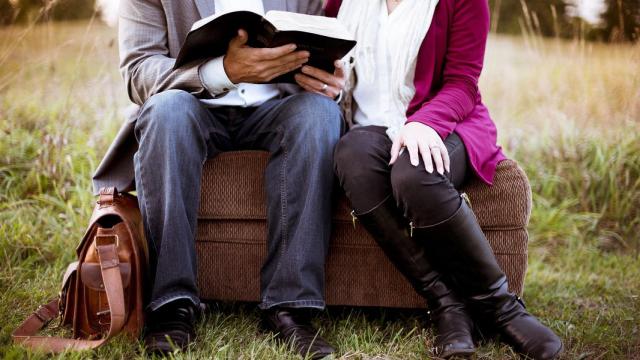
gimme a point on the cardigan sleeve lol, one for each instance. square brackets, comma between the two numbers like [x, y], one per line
[462, 67]
[332, 7]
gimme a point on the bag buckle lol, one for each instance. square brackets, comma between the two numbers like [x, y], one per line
[107, 196]
[101, 314]
[44, 315]
[103, 239]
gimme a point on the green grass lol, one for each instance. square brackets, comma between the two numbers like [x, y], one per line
[571, 122]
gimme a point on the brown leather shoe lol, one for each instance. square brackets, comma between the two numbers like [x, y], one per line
[294, 326]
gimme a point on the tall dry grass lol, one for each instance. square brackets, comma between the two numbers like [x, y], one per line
[570, 112]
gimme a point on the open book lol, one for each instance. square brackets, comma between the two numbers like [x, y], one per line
[325, 38]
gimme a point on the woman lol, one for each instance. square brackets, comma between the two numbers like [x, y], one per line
[420, 130]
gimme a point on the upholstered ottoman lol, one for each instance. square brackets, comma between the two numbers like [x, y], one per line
[231, 237]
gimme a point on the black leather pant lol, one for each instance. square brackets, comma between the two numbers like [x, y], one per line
[362, 165]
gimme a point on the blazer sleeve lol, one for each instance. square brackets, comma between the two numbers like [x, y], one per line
[145, 64]
[462, 67]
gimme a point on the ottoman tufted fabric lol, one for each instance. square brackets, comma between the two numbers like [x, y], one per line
[231, 236]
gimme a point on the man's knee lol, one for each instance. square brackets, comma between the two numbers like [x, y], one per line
[169, 110]
[314, 116]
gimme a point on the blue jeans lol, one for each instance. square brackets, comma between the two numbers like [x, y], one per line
[177, 134]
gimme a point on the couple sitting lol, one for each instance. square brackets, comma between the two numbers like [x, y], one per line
[418, 130]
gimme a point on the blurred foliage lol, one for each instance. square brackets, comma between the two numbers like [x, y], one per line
[43, 10]
[620, 21]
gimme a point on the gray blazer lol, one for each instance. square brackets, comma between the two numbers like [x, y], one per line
[150, 35]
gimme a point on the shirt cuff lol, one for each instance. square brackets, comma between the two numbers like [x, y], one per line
[339, 97]
[214, 78]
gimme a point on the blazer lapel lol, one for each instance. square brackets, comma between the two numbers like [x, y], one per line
[205, 7]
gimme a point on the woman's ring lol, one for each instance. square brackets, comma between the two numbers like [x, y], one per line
[324, 87]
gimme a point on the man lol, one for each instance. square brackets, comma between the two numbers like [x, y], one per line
[195, 112]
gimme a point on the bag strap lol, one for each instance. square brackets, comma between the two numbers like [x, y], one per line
[110, 270]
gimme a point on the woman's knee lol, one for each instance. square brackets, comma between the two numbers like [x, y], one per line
[361, 165]
[425, 197]
[353, 153]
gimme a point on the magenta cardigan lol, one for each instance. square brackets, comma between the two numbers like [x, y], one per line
[446, 80]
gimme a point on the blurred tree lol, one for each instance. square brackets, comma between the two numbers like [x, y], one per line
[621, 20]
[6, 12]
[28, 10]
[543, 17]
[41, 10]
[72, 9]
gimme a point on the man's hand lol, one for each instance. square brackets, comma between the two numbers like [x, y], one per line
[321, 82]
[420, 139]
[244, 64]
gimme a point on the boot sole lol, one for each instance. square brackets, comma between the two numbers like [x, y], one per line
[465, 353]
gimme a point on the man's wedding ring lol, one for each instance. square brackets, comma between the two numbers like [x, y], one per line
[324, 87]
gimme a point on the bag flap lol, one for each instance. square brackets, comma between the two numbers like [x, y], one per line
[91, 276]
[68, 274]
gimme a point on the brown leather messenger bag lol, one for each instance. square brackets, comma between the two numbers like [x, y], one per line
[103, 292]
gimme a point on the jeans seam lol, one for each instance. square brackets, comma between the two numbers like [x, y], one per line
[146, 204]
[283, 206]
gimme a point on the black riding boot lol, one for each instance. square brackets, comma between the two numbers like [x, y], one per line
[389, 228]
[460, 242]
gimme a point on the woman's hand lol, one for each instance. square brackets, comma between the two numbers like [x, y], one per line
[421, 140]
[321, 82]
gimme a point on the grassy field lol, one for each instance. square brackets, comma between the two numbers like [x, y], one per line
[569, 112]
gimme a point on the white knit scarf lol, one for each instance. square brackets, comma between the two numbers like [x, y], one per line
[359, 16]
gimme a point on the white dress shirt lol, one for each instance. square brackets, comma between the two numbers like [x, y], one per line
[215, 79]
[386, 57]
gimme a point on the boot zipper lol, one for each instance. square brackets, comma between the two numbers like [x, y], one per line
[465, 197]
[411, 227]
[353, 218]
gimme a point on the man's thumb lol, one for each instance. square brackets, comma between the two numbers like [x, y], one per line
[240, 39]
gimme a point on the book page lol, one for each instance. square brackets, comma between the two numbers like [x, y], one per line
[321, 25]
[200, 23]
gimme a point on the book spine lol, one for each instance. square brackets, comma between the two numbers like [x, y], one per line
[266, 33]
